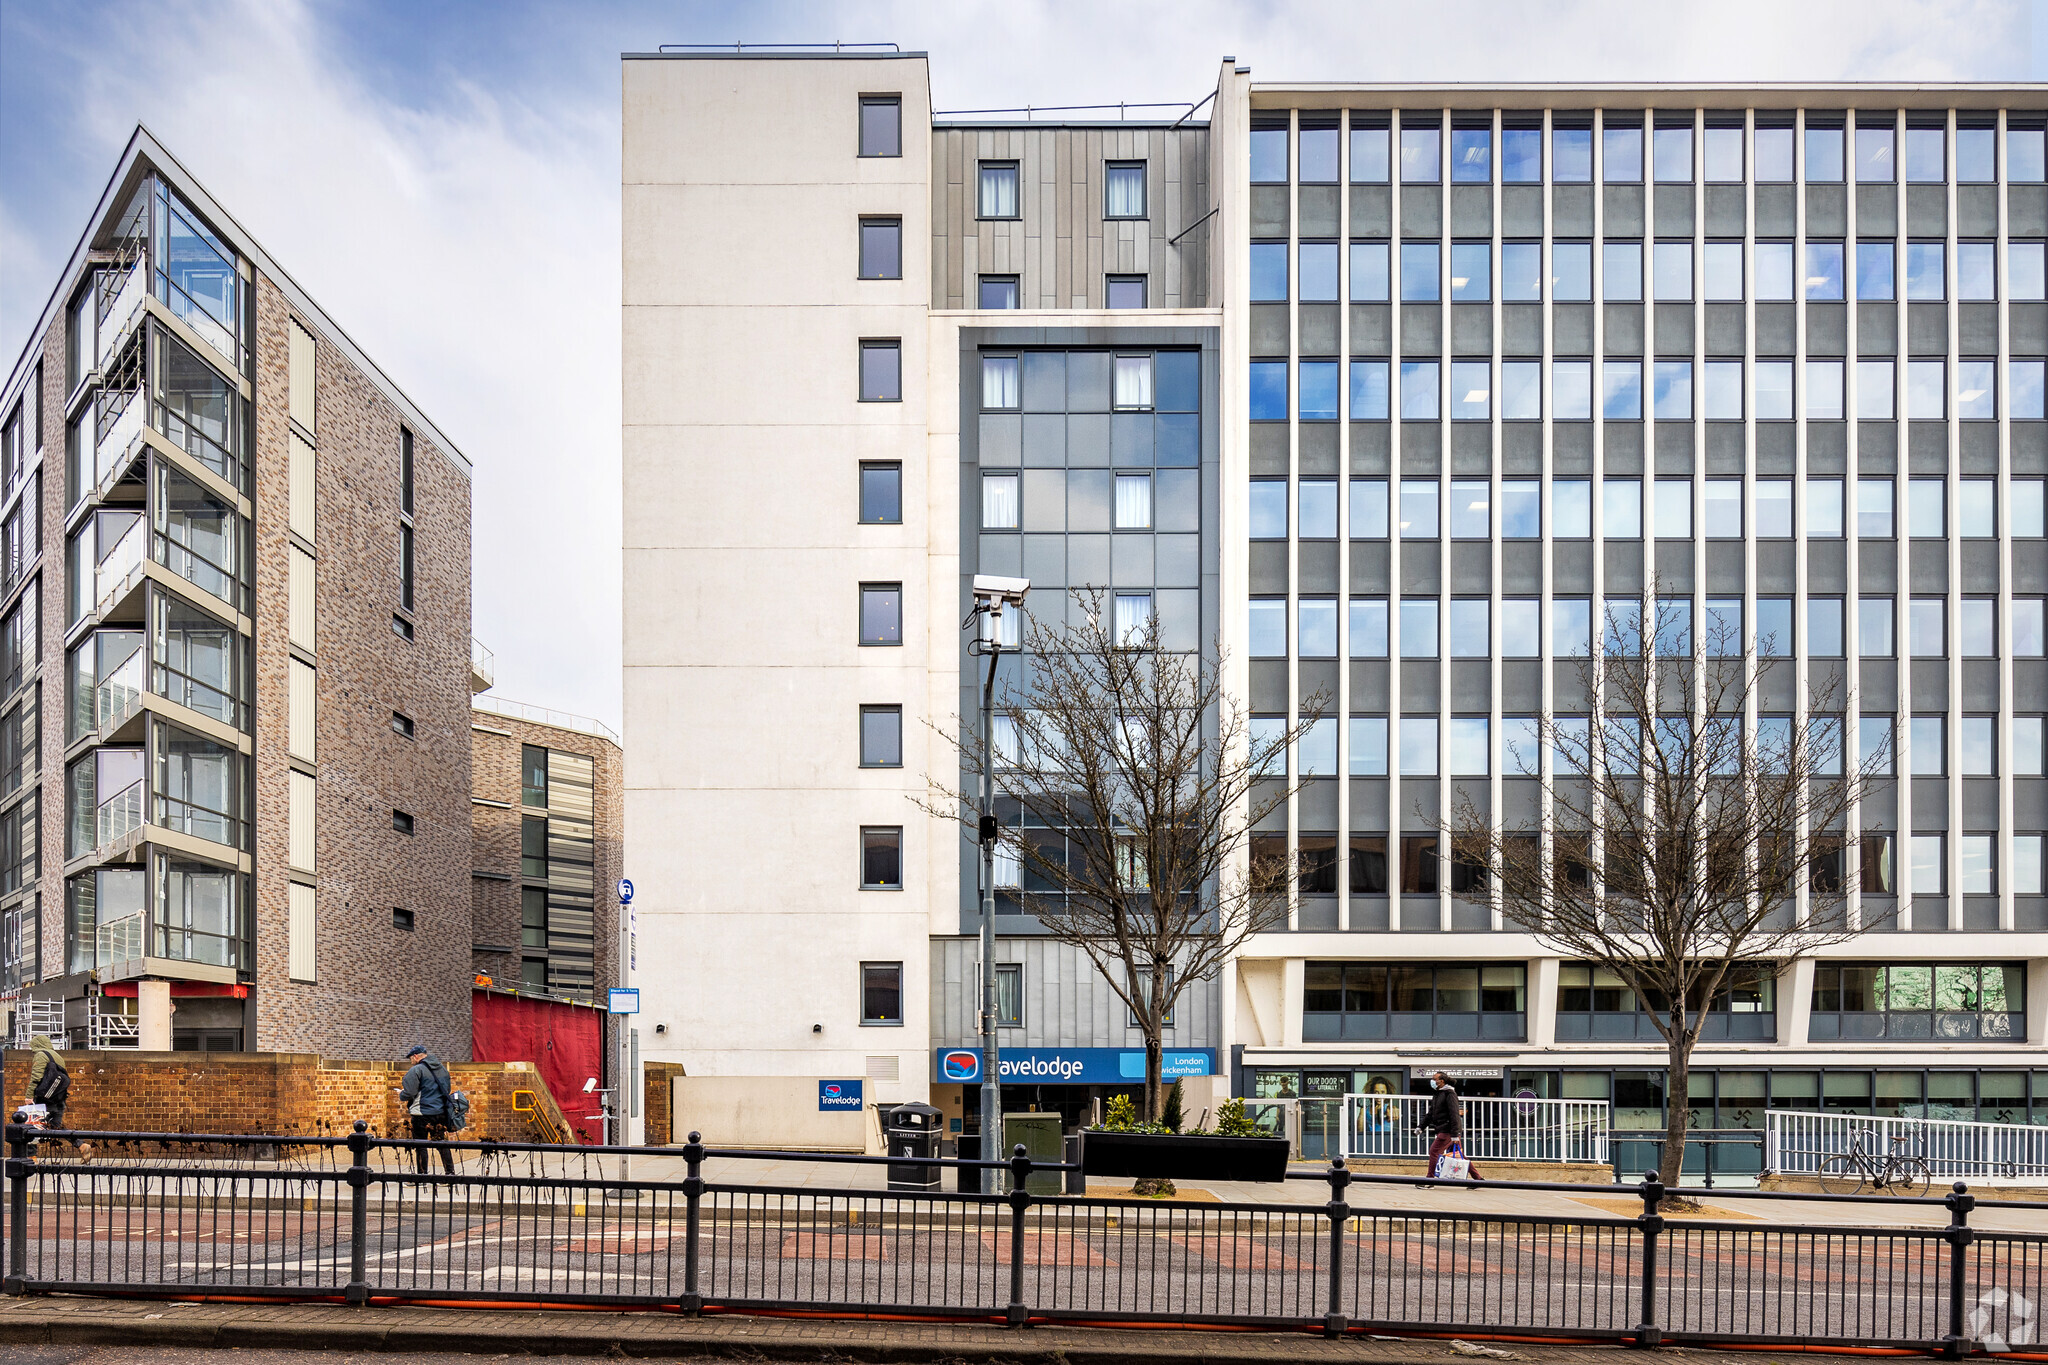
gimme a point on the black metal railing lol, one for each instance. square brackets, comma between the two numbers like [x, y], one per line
[350, 1218]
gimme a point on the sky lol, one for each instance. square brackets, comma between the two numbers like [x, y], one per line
[444, 178]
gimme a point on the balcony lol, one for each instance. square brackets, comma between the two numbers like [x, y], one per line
[118, 318]
[483, 667]
[119, 943]
[119, 816]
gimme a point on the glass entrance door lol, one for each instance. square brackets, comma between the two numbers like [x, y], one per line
[1322, 1123]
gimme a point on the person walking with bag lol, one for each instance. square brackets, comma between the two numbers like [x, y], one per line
[1445, 1121]
[426, 1093]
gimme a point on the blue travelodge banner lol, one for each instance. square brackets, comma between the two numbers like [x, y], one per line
[1071, 1065]
[834, 1096]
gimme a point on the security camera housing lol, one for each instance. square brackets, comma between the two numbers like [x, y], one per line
[1001, 590]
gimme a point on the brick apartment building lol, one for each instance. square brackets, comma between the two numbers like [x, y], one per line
[235, 683]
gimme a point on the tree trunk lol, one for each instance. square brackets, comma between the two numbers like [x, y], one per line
[1153, 1060]
[1678, 1104]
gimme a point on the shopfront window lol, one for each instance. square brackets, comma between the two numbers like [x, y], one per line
[1918, 1002]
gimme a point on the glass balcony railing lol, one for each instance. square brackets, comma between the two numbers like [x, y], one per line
[119, 564]
[119, 695]
[120, 815]
[121, 940]
[117, 438]
[118, 318]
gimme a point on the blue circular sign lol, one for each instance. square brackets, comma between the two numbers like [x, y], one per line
[625, 891]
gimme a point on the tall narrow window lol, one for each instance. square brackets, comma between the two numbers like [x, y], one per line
[405, 566]
[881, 736]
[405, 470]
[881, 492]
[1124, 189]
[533, 776]
[996, 191]
[881, 248]
[999, 502]
[881, 371]
[881, 125]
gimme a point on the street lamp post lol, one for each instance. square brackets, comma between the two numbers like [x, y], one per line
[992, 594]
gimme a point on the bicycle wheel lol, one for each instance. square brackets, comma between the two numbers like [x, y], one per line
[1908, 1175]
[1842, 1175]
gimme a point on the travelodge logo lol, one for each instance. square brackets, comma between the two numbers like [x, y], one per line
[834, 1089]
[961, 1064]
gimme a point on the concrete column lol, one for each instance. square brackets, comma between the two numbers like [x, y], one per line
[1541, 1001]
[1291, 974]
[2037, 1000]
[1795, 1001]
[153, 1006]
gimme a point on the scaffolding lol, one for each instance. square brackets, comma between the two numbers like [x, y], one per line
[110, 1025]
[38, 1016]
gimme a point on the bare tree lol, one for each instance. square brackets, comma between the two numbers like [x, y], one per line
[1688, 841]
[1138, 779]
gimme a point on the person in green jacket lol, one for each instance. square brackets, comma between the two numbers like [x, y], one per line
[49, 1080]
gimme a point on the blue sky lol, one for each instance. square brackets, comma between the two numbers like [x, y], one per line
[444, 178]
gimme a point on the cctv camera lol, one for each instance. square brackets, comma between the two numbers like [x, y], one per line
[590, 1085]
[817, 1028]
[1000, 591]
[661, 1028]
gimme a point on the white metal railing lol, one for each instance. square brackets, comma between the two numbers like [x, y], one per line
[116, 321]
[541, 715]
[38, 1016]
[1497, 1129]
[111, 1028]
[120, 815]
[1799, 1142]
[120, 940]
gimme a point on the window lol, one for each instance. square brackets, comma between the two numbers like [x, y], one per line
[1318, 509]
[2025, 385]
[881, 858]
[1369, 154]
[1369, 281]
[999, 502]
[1471, 272]
[881, 736]
[1621, 390]
[1269, 151]
[1377, 1000]
[881, 493]
[1521, 509]
[1471, 156]
[401, 724]
[1621, 152]
[405, 575]
[1925, 507]
[1368, 627]
[1419, 273]
[1521, 272]
[1368, 509]
[1571, 627]
[2026, 507]
[1671, 391]
[1124, 189]
[1774, 272]
[1874, 509]
[1824, 627]
[881, 125]
[1874, 627]
[1131, 386]
[1671, 154]
[1974, 746]
[1824, 152]
[1571, 272]
[1471, 517]
[1521, 390]
[1722, 149]
[997, 190]
[1269, 272]
[1471, 390]
[401, 919]
[1722, 272]
[1369, 398]
[1471, 754]
[1823, 390]
[881, 372]
[1269, 391]
[1318, 272]
[881, 248]
[1621, 509]
[1925, 876]
[1571, 154]
[533, 776]
[1673, 508]
[1267, 634]
[1318, 153]
[2026, 746]
[1594, 1003]
[1771, 153]
[1773, 392]
[1927, 736]
[1369, 750]
[881, 994]
[1926, 627]
[1671, 272]
[1316, 619]
[1520, 634]
[1926, 280]
[1418, 746]
[1124, 291]
[401, 822]
[1134, 502]
[997, 292]
[1621, 270]
[1521, 748]
[1418, 390]
[1269, 509]
[401, 627]
[1521, 155]
[1318, 391]
[1874, 275]
[2025, 873]
[1919, 1001]
[1421, 154]
[1009, 995]
[881, 613]
[1418, 509]
[1976, 391]
[2027, 636]
[1976, 271]
[1470, 636]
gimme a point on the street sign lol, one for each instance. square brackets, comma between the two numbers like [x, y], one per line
[838, 1096]
[625, 891]
[625, 1000]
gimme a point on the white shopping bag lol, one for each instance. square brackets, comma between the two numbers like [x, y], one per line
[1452, 1165]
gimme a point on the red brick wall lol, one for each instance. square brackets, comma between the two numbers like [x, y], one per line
[254, 1092]
[380, 989]
[656, 1076]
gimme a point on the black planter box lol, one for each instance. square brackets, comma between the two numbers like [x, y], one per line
[1142, 1156]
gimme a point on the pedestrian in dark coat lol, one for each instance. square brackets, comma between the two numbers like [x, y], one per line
[1445, 1121]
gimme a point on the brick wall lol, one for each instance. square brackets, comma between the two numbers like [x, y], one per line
[658, 1099]
[494, 898]
[256, 1092]
[380, 989]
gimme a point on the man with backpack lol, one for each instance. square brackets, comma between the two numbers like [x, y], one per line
[49, 1081]
[1445, 1121]
[430, 1101]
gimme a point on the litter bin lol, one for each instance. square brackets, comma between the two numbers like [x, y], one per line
[912, 1130]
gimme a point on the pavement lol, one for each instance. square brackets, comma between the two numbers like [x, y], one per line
[74, 1330]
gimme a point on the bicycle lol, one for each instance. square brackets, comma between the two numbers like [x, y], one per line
[1898, 1171]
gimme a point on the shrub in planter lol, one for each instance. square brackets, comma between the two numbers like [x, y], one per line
[1122, 1146]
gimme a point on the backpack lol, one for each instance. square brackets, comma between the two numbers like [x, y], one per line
[54, 1089]
[458, 1110]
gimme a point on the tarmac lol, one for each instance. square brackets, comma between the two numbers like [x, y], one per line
[49, 1329]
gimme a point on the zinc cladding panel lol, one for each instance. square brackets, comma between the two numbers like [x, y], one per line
[304, 706]
[304, 619]
[300, 841]
[301, 479]
[300, 375]
[302, 933]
